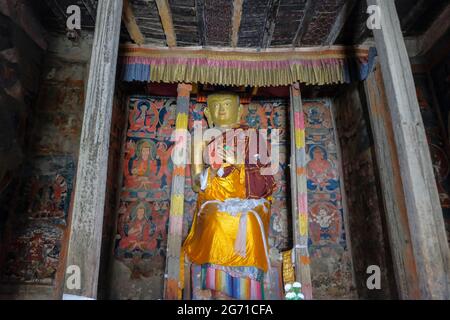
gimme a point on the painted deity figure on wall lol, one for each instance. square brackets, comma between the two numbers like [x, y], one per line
[228, 241]
[163, 154]
[138, 232]
[167, 122]
[140, 163]
[321, 174]
[325, 223]
[144, 118]
[49, 198]
[253, 118]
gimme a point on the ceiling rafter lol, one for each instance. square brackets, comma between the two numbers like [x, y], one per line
[129, 21]
[167, 22]
[236, 22]
[340, 21]
[436, 31]
[308, 14]
[271, 19]
[408, 20]
[200, 8]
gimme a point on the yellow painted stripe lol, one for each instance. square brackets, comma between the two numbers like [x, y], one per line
[182, 121]
[299, 138]
[177, 205]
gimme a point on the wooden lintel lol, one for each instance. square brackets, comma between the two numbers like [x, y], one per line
[167, 22]
[129, 21]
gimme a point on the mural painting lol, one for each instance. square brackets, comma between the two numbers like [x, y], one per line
[33, 256]
[330, 258]
[141, 239]
[39, 205]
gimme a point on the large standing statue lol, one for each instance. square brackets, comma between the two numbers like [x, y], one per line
[228, 241]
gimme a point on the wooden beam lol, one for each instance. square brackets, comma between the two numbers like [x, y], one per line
[271, 20]
[387, 157]
[408, 21]
[308, 14]
[172, 285]
[129, 21]
[425, 218]
[236, 22]
[167, 22]
[22, 14]
[83, 255]
[437, 30]
[299, 198]
[340, 21]
[200, 8]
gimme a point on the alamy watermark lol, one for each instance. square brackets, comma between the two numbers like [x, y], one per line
[74, 18]
[375, 19]
[233, 146]
[73, 277]
[374, 280]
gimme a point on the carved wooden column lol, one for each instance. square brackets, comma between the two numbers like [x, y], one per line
[424, 213]
[299, 192]
[89, 197]
[172, 290]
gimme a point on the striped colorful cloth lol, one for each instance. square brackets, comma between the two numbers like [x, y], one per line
[240, 288]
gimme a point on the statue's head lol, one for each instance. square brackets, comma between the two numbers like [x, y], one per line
[224, 110]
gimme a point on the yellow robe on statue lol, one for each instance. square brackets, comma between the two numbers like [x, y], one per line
[213, 234]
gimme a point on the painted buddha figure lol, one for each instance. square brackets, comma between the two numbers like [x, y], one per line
[228, 238]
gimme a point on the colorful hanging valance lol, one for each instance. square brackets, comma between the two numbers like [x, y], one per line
[316, 66]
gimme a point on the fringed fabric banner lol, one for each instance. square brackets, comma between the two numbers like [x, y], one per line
[315, 66]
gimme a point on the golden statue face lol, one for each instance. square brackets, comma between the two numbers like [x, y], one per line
[223, 110]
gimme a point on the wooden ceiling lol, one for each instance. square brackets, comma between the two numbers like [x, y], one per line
[245, 23]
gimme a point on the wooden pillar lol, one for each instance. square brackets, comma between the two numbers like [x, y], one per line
[393, 194]
[299, 192]
[89, 199]
[425, 219]
[172, 290]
